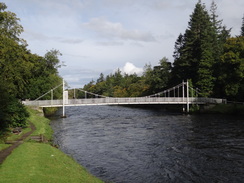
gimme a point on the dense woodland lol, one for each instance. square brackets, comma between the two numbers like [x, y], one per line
[205, 54]
[23, 75]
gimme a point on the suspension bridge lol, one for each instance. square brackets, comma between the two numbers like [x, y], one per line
[180, 94]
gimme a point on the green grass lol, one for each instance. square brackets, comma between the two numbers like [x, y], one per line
[4, 146]
[38, 162]
[41, 123]
[49, 111]
[13, 137]
[10, 137]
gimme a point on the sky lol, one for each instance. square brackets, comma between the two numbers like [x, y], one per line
[101, 36]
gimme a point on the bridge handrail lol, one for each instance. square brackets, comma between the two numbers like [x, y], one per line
[127, 100]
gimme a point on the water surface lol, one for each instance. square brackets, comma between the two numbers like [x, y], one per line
[136, 145]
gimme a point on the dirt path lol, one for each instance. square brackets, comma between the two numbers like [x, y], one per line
[4, 153]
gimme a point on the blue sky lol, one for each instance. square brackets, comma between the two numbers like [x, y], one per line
[100, 36]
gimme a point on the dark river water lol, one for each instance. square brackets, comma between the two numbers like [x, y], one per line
[142, 145]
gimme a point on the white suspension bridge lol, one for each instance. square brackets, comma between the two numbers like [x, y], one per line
[181, 94]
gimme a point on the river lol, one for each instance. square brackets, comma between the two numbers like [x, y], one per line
[150, 145]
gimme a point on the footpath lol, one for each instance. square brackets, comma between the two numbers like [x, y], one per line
[6, 152]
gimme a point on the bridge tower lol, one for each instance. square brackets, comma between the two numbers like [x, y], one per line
[64, 99]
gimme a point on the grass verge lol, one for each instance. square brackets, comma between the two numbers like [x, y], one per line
[38, 162]
[41, 162]
[41, 123]
[4, 146]
[13, 137]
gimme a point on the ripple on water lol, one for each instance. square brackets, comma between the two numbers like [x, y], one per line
[122, 144]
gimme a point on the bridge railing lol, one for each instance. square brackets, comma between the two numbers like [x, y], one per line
[130, 100]
[42, 102]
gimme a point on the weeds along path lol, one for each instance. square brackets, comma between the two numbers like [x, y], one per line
[5, 152]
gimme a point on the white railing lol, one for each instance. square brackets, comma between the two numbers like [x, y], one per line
[124, 101]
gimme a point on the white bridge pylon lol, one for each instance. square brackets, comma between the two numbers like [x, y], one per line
[180, 94]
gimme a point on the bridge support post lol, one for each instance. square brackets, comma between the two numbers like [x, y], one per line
[183, 94]
[187, 97]
[51, 97]
[63, 116]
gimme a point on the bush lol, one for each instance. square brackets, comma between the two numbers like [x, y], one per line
[17, 114]
[12, 113]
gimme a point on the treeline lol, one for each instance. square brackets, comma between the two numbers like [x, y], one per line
[119, 84]
[205, 54]
[23, 75]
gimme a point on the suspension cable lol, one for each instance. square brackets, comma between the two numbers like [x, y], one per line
[102, 96]
[48, 92]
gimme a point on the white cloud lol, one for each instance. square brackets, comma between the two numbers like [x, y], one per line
[130, 68]
[36, 36]
[109, 29]
[110, 43]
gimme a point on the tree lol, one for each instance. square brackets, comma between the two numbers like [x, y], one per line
[242, 27]
[9, 24]
[194, 55]
[221, 34]
[158, 77]
[101, 78]
[52, 61]
[232, 69]
[117, 78]
[12, 112]
[22, 74]
[180, 65]
[14, 68]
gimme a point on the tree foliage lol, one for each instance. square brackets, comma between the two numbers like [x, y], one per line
[194, 55]
[242, 27]
[232, 69]
[197, 52]
[23, 74]
[125, 85]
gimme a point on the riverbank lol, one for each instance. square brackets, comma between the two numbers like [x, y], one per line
[33, 161]
[229, 109]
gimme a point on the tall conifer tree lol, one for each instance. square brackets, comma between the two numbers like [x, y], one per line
[193, 54]
[220, 35]
[242, 27]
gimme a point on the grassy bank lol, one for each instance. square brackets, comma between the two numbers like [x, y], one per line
[49, 111]
[230, 109]
[41, 123]
[40, 162]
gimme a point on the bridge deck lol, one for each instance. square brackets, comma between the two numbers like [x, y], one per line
[123, 101]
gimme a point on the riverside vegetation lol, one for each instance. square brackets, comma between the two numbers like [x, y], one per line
[41, 162]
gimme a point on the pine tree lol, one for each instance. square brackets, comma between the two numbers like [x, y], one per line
[220, 35]
[217, 27]
[180, 65]
[194, 54]
[242, 27]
